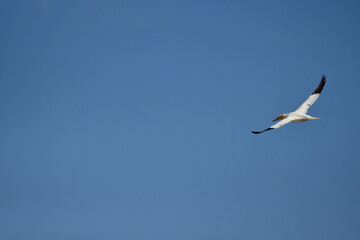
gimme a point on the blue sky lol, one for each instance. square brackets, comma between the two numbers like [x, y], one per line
[132, 120]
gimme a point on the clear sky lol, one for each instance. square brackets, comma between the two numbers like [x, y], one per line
[132, 120]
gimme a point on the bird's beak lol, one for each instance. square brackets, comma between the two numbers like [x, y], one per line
[275, 119]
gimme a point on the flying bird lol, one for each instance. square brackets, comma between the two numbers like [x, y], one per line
[300, 114]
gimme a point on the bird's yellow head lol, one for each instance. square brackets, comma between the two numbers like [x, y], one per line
[280, 117]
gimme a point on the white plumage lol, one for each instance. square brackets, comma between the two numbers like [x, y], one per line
[300, 114]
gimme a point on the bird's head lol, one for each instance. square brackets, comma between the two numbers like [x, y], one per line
[280, 117]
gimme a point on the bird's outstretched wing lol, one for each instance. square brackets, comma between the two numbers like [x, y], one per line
[313, 97]
[277, 125]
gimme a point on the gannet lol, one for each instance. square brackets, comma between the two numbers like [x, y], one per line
[300, 114]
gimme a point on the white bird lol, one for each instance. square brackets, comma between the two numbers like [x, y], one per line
[300, 114]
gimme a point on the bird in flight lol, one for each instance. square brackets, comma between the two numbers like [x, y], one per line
[300, 114]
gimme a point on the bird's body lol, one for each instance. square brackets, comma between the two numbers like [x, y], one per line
[300, 117]
[300, 114]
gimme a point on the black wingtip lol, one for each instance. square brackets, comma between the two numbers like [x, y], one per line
[321, 85]
[255, 132]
